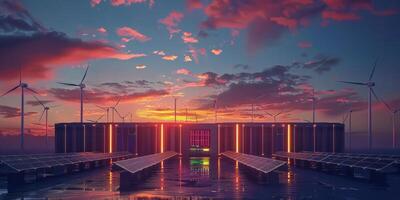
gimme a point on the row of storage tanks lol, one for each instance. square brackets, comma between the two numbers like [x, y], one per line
[261, 139]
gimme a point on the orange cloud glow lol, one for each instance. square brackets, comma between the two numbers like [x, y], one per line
[170, 57]
[216, 51]
[188, 38]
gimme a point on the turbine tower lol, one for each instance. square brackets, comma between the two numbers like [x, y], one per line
[114, 109]
[44, 112]
[107, 110]
[23, 86]
[348, 116]
[313, 106]
[393, 112]
[370, 84]
[81, 86]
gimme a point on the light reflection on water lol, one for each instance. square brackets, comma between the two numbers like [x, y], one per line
[216, 178]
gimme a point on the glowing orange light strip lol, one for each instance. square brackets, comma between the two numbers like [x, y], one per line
[237, 138]
[162, 138]
[289, 138]
[110, 137]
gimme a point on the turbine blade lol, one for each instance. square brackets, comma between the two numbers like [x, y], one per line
[351, 82]
[14, 88]
[118, 113]
[20, 75]
[38, 101]
[345, 117]
[98, 119]
[84, 76]
[33, 91]
[55, 106]
[69, 84]
[269, 114]
[381, 100]
[41, 116]
[103, 108]
[117, 102]
[373, 70]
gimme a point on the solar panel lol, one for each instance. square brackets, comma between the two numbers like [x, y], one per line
[262, 164]
[363, 161]
[134, 165]
[37, 161]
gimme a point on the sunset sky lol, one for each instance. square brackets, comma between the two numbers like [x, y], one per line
[146, 52]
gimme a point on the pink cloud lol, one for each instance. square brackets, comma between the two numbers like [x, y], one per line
[102, 30]
[94, 3]
[188, 38]
[183, 71]
[304, 44]
[40, 53]
[187, 58]
[216, 51]
[132, 34]
[340, 16]
[194, 4]
[130, 2]
[159, 52]
[202, 51]
[171, 22]
[170, 57]
[290, 23]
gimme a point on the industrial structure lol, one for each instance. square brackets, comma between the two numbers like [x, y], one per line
[194, 139]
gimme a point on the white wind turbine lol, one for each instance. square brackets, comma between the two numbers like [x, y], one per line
[97, 120]
[274, 115]
[23, 86]
[81, 86]
[114, 109]
[44, 112]
[107, 110]
[313, 99]
[370, 84]
[348, 116]
[393, 112]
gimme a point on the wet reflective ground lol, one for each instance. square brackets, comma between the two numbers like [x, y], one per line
[205, 178]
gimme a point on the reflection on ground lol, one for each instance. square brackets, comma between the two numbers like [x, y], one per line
[215, 178]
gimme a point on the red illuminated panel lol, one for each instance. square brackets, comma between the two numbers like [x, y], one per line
[200, 138]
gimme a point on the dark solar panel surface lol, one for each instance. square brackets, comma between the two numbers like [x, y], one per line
[38, 161]
[262, 164]
[364, 161]
[134, 165]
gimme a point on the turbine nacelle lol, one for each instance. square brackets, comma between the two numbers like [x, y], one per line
[82, 85]
[24, 85]
[370, 84]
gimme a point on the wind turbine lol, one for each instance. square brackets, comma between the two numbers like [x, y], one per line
[313, 106]
[23, 86]
[252, 106]
[348, 116]
[97, 120]
[393, 112]
[45, 111]
[276, 115]
[114, 109]
[106, 109]
[370, 84]
[81, 86]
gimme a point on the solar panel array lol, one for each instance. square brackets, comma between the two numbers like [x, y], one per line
[262, 164]
[137, 164]
[26, 162]
[363, 161]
